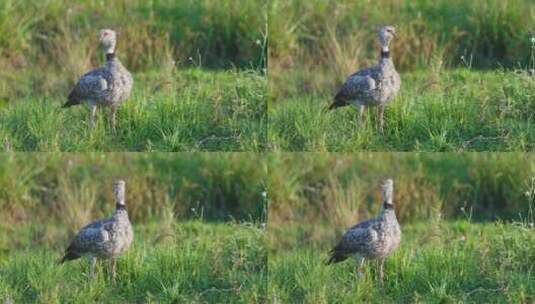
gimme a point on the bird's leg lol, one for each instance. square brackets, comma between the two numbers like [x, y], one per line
[113, 262]
[360, 115]
[113, 111]
[92, 263]
[381, 273]
[360, 267]
[381, 118]
[92, 113]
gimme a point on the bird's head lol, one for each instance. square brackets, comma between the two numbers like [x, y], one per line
[387, 191]
[118, 192]
[386, 35]
[107, 39]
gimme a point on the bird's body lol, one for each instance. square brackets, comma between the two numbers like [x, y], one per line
[107, 86]
[104, 239]
[372, 239]
[374, 86]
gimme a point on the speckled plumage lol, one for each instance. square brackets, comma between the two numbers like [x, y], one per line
[370, 87]
[107, 86]
[372, 239]
[374, 86]
[105, 239]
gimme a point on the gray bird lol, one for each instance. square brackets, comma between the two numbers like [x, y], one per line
[104, 239]
[374, 86]
[106, 86]
[372, 239]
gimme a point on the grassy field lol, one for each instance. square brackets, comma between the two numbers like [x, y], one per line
[199, 74]
[467, 222]
[440, 110]
[199, 221]
[178, 110]
[440, 262]
[193, 262]
[463, 66]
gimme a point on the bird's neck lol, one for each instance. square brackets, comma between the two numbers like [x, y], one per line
[120, 207]
[110, 56]
[388, 211]
[120, 212]
[388, 206]
[385, 55]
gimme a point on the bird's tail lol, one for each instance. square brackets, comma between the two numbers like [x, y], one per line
[69, 255]
[335, 257]
[70, 103]
[338, 102]
[332, 106]
[72, 100]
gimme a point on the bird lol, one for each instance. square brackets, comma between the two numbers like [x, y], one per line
[105, 239]
[107, 86]
[374, 239]
[373, 86]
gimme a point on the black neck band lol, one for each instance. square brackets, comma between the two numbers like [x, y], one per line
[385, 54]
[120, 206]
[388, 206]
[110, 56]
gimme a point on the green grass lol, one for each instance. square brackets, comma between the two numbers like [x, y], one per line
[457, 262]
[191, 262]
[460, 110]
[177, 110]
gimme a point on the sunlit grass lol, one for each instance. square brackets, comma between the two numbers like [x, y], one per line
[457, 110]
[190, 262]
[190, 110]
[436, 263]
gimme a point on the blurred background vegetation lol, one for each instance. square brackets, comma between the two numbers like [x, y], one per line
[315, 44]
[314, 194]
[76, 188]
[43, 43]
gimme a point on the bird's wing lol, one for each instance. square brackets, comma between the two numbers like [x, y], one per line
[353, 241]
[89, 239]
[90, 86]
[356, 86]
